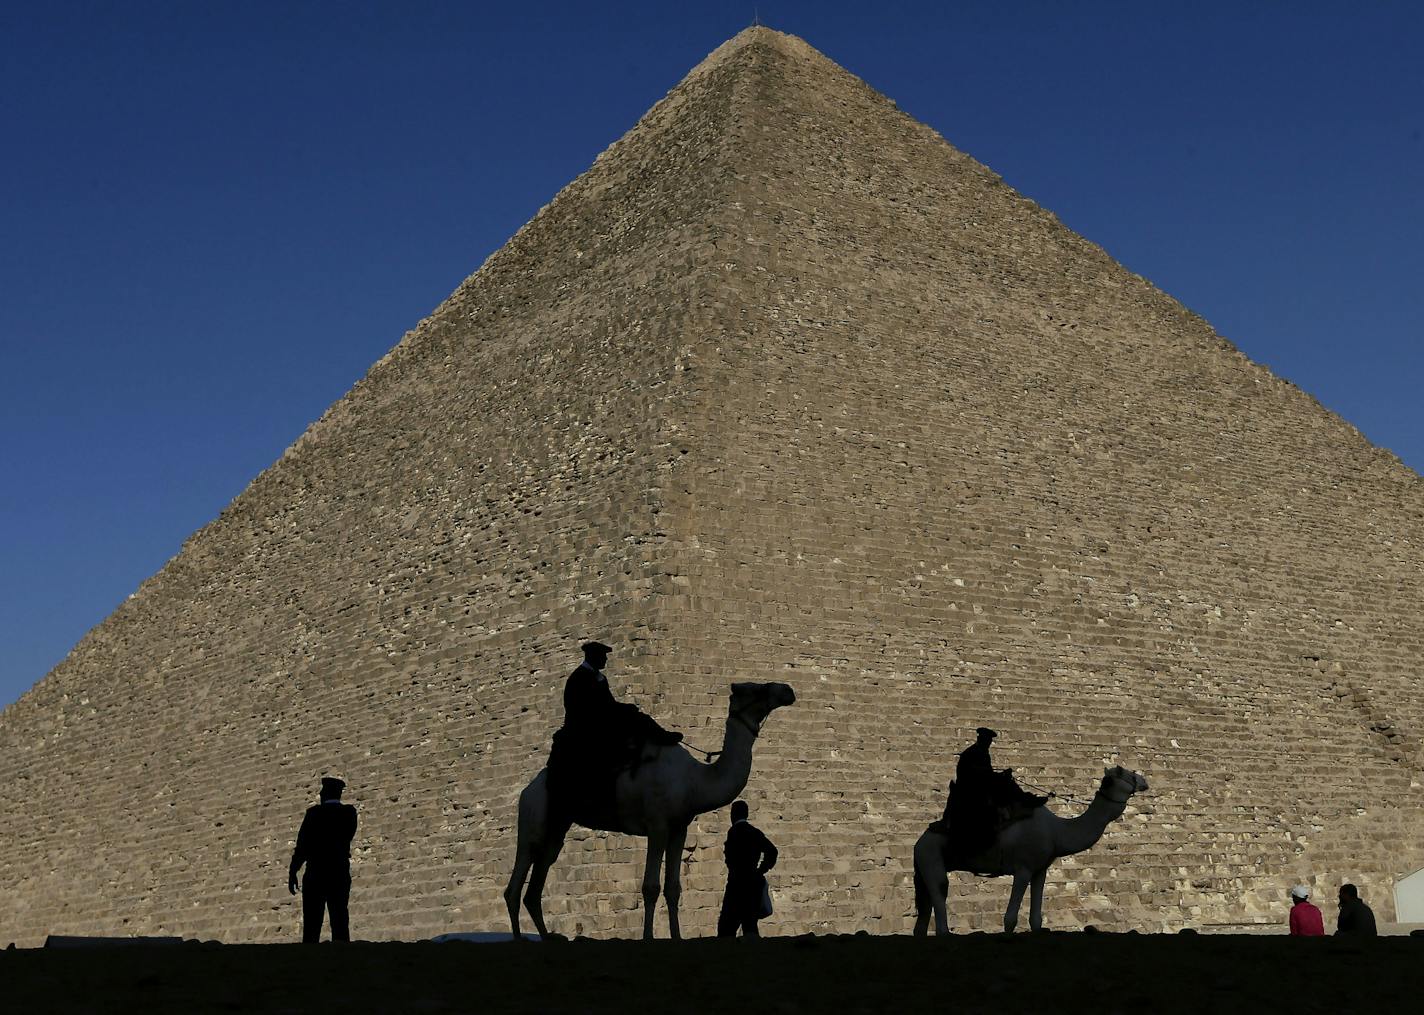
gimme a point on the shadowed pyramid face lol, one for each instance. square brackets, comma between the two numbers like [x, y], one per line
[861, 412]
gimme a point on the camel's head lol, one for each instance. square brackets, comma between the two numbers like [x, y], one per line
[753, 702]
[1121, 782]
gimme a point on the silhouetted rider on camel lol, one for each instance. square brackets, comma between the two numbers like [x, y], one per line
[981, 800]
[600, 737]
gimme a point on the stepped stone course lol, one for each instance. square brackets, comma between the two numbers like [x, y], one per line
[784, 387]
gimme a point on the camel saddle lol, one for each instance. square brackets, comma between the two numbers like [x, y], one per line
[971, 822]
[584, 766]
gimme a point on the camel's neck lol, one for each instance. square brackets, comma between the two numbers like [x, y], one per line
[1080, 833]
[724, 779]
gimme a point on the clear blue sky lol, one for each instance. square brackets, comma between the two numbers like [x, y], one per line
[215, 217]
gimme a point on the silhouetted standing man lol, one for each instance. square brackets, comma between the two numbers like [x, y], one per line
[324, 845]
[749, 855]
[1356, 919]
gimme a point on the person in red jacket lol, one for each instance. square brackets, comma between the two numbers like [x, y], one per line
[1305, 919]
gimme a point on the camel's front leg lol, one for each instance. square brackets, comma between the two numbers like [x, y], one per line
[1011, 915]
[672, 877]
[1035, 899]
[657, 846]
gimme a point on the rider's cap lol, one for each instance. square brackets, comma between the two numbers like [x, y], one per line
[330, 784]
[595, 646]
[984, 731]
[1300, 892]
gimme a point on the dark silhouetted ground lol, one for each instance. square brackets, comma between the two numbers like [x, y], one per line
[964, 973]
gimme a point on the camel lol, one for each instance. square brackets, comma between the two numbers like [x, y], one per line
[1023, 849]
[657, 799]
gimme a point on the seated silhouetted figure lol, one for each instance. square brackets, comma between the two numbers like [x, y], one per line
[981, 800]
[600, 737]
[749, 855]
[1305, 918]
[1356, 919]
[324, 845]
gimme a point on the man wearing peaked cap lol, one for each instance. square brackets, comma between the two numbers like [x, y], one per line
[586, 693]
[324, 846]
[981, 800]
[589, 702]
[975, 769]
[600, 736]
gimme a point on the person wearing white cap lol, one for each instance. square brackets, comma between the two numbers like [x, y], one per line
[1305, 919]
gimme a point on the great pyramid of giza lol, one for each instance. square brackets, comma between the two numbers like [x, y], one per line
[783, 387]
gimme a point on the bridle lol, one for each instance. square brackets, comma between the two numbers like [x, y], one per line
[1103, 792]
[753, 729]
[738, 714]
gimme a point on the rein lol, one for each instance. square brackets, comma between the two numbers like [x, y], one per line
[754, 730]
[1102, 791]
[1052, 795]
[707, 755]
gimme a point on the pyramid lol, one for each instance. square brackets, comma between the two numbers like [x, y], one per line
[783, 387]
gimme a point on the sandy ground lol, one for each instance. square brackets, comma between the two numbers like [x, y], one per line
[964, 973]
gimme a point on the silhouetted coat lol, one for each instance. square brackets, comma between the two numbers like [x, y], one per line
[588, 700]
[324, 840]
[749, 855]
[1356, 918]
[592, 745]
[970, 810]
[975, 770]
[600, 737]
[324, 845]
[747, 851]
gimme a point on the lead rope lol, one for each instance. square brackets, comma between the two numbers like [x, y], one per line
[709, 755]
[1051, 794]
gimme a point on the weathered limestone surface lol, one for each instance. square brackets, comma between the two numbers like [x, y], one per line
[784, 387]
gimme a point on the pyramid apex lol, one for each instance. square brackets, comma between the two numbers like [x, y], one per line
[757, 35]
[757, 31]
